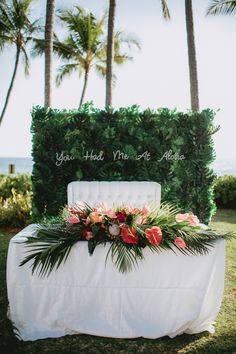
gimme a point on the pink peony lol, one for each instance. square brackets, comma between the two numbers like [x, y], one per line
[154, 235]
[179, 242]
[129, 235]
[73, 220]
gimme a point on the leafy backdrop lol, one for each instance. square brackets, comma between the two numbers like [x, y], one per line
[78, 133]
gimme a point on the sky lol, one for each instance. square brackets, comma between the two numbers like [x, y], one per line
[157, 77]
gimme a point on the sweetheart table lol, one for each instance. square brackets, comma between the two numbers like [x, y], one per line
[167, 294]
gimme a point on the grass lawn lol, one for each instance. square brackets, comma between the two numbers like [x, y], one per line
[222, 342]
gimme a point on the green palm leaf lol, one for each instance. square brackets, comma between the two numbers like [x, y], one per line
[125, 257]
[222, 7]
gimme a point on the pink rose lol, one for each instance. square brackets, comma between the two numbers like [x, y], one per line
[73, 220]
[179, 242]
[154, 235]
[129, 235]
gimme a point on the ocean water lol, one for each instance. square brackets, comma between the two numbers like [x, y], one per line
[22, 164]
[25, 165]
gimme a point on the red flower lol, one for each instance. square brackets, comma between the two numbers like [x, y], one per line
[73, 220]
[129, 235]
[154, 235]
[179, 242]
[120, 217]
[87, 234]
[73, 211]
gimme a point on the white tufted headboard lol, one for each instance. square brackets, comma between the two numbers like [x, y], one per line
[135, 193]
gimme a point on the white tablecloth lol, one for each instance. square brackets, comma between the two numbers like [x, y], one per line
[167, 294]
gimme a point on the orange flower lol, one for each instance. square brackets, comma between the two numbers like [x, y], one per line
[95, 217]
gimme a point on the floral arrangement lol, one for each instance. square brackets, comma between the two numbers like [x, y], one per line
[128, 230]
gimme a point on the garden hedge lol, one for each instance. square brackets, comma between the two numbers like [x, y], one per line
[225, 192]
[129, 145]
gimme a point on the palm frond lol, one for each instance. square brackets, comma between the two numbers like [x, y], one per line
[222, 7]
[65, 70]
[165, 10]
[101, 70]
[125, 258]
[26, 61]
[53, 242]
[49, 248]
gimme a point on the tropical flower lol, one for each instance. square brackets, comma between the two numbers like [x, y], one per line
[120, 217]
[114, 229]
[110, 214]
[190, 218]
[179, 242]
[73, 211]
[193, 220]
[154, 235]
[73, 220]
[146, 210]
[88, 234]
[95, 217]
[129, 235]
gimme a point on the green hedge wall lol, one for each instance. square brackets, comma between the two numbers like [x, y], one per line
[129, 145]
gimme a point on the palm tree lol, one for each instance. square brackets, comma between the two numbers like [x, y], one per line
[110, 51]
[85, 46]
[192, 56]
[48, 51]
[110, 45]
[16, 30]
[222, 7]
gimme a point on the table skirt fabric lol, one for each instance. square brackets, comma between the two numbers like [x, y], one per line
[168, 294]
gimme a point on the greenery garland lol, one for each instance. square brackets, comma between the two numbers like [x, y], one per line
[128, 231]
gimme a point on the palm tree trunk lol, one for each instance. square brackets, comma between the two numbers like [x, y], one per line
[110, 51]
[84, 88]
[11, 84]
[192, 56]
[48, 52]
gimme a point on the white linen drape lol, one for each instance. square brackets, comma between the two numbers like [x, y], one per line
[168, 294]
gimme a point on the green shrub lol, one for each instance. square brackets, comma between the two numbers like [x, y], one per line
[225, 192]
[15, 200]
[80, 133]
[16, 210]
[21, 183]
